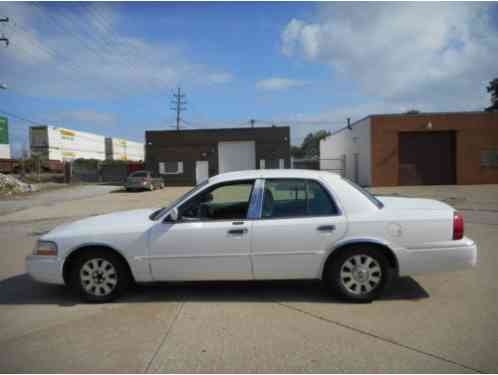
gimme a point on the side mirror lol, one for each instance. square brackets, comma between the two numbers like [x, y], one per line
[173, 214]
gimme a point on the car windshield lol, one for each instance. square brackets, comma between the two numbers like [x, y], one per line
[139, 174]
[156, 215]
[372, 198]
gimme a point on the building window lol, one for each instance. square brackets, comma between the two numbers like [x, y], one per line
[489, 158]
[171, 167]
[271, 164]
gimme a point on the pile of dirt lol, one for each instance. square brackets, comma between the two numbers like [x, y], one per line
[10, 185]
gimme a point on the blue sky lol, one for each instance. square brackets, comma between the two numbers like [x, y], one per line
[110, 68]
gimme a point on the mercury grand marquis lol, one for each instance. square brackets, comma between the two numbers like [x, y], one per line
[259, 225]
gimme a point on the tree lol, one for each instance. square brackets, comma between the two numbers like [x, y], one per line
[310, 148]
[296, 152]
[493, 90]
[412, 112]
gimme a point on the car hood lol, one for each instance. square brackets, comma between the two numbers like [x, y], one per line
[114, 222]
[413, 203]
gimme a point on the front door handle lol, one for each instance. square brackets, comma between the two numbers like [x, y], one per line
[326, 228]
[238, 231]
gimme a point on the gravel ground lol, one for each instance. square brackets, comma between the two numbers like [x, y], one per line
[53, 196]
[438, 323]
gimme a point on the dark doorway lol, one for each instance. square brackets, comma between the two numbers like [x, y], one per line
[427, 158]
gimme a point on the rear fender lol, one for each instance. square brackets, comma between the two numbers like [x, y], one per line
[343, 243]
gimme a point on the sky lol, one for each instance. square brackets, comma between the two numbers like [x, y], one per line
[111, 68]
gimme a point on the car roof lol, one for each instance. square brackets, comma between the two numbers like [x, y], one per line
[271, 173]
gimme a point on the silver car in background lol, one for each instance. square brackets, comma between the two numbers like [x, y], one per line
[143, 180]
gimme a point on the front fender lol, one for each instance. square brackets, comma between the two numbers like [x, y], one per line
[138, 266]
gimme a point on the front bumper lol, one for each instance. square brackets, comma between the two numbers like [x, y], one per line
[45, 269]
[450, 256]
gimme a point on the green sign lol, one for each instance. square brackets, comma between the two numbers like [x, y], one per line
[4, 131]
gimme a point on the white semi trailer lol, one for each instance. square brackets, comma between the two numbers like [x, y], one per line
[122, 149]
[53, 143]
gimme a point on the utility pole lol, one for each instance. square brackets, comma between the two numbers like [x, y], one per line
[179, 103]
[2, 37]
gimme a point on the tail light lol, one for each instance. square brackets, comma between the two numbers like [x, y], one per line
[457, 226]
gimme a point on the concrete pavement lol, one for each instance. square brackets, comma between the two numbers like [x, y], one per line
[440, 322]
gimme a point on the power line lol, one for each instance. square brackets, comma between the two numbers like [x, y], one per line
[21, 118]
[179, 103]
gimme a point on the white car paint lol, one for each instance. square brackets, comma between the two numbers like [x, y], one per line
[417, 231]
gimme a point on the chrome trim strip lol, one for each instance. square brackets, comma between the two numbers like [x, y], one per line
[289, 253]
[188, 256]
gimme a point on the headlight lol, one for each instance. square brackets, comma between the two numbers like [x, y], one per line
[46, 248]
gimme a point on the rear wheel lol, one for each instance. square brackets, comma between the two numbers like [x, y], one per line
[359, 273]
[99, 276]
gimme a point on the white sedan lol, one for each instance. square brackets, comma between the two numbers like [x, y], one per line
[259, 225]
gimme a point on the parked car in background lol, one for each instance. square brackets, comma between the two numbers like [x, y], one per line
[259, 225]
[143, 180]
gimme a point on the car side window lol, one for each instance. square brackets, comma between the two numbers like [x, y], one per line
[285, 198]
[222, 202]
[320, 203]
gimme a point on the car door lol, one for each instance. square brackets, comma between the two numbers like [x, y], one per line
[300, 221]
[210, 240]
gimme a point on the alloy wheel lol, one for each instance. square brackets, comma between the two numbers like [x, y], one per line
[98, 277]
[360, 274]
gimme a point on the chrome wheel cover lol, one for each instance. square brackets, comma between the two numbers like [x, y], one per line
[360, 274]
[98, 277]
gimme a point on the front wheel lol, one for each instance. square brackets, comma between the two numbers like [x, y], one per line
[358, 274]
[99, 276]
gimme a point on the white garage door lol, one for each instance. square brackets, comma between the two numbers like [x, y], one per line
[236, 156]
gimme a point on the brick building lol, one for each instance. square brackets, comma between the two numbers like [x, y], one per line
[186, 157]
[418, 149]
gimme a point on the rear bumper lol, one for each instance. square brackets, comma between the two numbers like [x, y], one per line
[454, 255]
[137, 186]
[45, 269]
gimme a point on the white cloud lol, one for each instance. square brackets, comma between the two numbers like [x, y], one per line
[79, 52]
[437, 54]
[277, 83]
[218, 78]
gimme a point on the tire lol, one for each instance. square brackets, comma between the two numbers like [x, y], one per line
[99, 287]
[358, 273]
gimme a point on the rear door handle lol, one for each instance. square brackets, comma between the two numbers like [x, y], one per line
[326, 228]
[238, 232]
